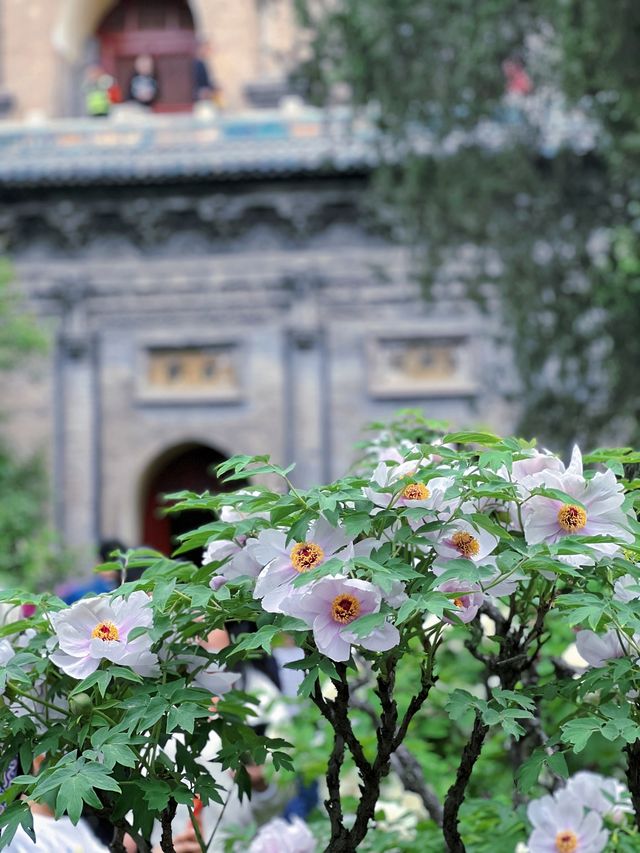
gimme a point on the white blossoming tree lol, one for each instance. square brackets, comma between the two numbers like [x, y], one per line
[444, 545]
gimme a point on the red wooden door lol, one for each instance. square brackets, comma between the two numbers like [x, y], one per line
[163, 29]
[190, 469]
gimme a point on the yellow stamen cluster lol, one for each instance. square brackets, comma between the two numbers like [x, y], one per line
[458, 602]
[345, 608]
[465, 544]
[566, 841]
[415, 492]
[571, 518]
[106, 631]
[306, 556]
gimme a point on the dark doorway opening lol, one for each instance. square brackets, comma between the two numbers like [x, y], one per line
[189, 467]
[162, 29]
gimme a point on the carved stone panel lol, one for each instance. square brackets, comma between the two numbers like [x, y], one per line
[419, 366]
[199, 372]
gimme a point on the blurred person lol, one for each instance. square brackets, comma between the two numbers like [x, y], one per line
[259, 678]
[517, 81]
[143, 86]
[98, 583]
[98, 87]
[62, 836]
[205, 87]
[517, 88]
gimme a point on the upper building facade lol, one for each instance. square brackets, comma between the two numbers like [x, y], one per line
[213, 284]
[46, 47]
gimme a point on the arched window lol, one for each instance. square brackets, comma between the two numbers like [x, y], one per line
[163, 29]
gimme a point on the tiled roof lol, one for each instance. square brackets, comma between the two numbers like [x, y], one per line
[153, 148]
[134, 149]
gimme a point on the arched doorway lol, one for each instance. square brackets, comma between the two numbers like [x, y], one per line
[188, 466]
[163, 29]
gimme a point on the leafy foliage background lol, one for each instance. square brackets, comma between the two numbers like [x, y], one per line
[554, 232]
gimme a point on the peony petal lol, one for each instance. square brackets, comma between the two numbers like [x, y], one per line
[75, 667]
[330, 538]
[277, 574]
[542, 814]
[329, 641]
[380, 639]
[540, 842]
[271, 544]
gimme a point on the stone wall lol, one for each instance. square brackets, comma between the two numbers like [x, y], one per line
[312, 319]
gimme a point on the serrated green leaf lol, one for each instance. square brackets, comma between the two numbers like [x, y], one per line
[16, 815]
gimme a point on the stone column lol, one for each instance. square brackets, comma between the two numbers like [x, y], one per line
[304, 386]
[76, 420]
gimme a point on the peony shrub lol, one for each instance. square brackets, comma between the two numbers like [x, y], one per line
[442, 554]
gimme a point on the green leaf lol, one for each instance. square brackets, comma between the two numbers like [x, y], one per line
[460, 702]
[363, 626]
[529, 771]
[16, 815]
[76, 786]
[558, 763]
[162, 593]
[156, 793]
[579, 731]
[184, 716]
[485, 438]
[101, 677]
[307, 684]
[260, 639]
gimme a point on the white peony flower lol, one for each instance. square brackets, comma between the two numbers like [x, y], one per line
[387, 480]
[239, 556]
[606, 796]
[536, 463]
[626, 588]
[597, 649]
[279, 836]
[460, 539]
[283, 561]
[96, 629]
[560, 825]
[597, 509]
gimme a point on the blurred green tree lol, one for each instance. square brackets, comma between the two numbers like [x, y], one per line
[28, 549]
[540, 189]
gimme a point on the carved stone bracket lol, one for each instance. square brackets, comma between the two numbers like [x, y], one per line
[74, 335]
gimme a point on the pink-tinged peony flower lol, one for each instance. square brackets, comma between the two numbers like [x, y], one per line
[536, 463]
[462, 539]
[468, 599]
[239, 557]
[626, 588]
[280, 836]
[597, 649]
[330, 605]
[284, 562]
[606, 796]
[387, 488]
[95, 629]
[560, 825]
[597, 510]
[536, 466]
